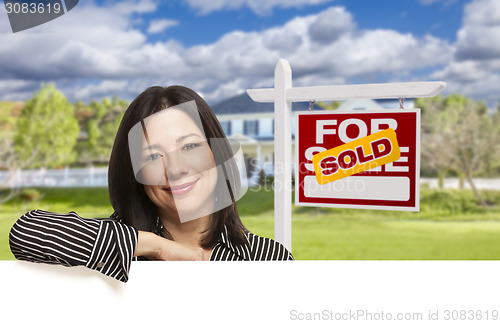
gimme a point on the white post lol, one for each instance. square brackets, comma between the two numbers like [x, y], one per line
[282, 155]
[18, 179]
[91, 171]
[42, 176]
[66, 177]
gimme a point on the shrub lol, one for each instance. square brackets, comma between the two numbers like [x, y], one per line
[29, 195]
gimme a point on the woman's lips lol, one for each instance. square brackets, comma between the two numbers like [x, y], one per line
[181, 189]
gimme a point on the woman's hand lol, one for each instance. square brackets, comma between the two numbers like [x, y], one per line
[156, 247]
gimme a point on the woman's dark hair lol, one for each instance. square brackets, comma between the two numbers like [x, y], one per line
[128, 197]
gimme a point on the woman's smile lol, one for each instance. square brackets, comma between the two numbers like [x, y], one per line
[181, 189]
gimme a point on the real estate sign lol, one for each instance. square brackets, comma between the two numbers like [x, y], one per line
[361, 159]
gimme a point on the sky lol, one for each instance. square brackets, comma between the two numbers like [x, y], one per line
[219, 48]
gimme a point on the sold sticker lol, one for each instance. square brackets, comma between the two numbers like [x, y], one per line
[357, 156]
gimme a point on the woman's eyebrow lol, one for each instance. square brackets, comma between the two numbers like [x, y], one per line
[149, 147]
[180, 139]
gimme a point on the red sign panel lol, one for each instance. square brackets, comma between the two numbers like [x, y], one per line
[392, 186]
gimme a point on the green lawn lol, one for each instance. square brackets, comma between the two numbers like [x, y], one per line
[449, 226]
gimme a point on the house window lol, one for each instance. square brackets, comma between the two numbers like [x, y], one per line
[226, 126]
[251, 127]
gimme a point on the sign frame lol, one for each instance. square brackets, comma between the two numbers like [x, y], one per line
[356, 206]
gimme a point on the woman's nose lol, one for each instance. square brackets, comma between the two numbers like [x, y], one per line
[175, 165]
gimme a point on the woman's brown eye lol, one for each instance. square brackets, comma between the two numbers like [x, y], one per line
[190, 146]
[153, 157]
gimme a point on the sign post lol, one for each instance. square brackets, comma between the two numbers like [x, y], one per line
[283, 94]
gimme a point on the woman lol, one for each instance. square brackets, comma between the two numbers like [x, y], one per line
[173, 185]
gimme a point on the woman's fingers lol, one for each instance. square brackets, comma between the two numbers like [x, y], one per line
[156, 247]
[174, 251]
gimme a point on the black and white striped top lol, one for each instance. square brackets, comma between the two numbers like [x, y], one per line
[107, 245]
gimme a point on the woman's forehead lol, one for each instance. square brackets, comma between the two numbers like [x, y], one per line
[174, 122]
[171, 122]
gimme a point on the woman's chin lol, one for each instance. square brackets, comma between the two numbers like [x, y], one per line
[193, 206]
[189, 214]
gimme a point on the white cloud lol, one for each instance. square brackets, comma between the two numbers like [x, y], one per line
[88, 42]
[160, 25]
[479, 35]
[102, 89]
[462, 72]
[477, 79]
[331, 24]
[482, 12]
[95, 51]
[351, 53]
[260, 7]
[15, 89]
[485, 89]
[475, 69]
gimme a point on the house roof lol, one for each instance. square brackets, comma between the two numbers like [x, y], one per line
[242, 138]
[243, 104]
[360, 104]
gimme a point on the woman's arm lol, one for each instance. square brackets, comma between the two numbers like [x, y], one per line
[105, 245]
[156, 247]
[68, 239]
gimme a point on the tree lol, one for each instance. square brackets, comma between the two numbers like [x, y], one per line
[9, 160]
[430, 161]
[459, 135]
[332, 105]
[47, 129]
[100, 121]
[494, 167]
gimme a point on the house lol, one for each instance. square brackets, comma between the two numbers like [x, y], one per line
[252, 125]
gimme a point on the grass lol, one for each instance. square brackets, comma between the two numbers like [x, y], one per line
[450, 225]
[333, 239]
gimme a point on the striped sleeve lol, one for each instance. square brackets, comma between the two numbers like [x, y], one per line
[70, 240]
[266, 249]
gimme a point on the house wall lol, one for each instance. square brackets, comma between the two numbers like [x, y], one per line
[237, 126]
[265, 158]
[266, 127]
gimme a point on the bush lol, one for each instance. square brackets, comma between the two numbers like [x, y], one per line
[262, 177]
[450, 200]
[30, 195]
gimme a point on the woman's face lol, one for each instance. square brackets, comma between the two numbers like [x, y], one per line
[178, 172]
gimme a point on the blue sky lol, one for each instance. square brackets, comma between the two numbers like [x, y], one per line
[407, 16]
[222, 47]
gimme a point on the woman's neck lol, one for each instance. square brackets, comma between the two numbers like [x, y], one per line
[189, 233]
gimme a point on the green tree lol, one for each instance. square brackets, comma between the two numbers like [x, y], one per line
[100, 121]
[430, 162]
[332, 105]
[459, 135]
[47, 130]
[494, 167]
[9, 161]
